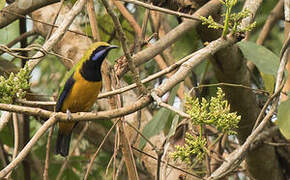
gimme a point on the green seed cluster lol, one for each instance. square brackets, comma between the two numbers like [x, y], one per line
[14, 86]
[215, 112]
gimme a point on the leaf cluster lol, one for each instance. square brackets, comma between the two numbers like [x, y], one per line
[193, 151]
[15, 86]
[232, 20]
[215, 112]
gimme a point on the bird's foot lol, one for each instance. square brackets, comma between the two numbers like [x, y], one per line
[69, 116]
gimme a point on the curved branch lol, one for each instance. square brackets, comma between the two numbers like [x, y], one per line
[171, 37]
[6, 18]
[58, 34]
[28, 146]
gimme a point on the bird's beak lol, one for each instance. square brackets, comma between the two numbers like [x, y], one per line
[112, 47]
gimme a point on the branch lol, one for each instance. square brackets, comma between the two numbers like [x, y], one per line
[28, 146]
[65, 163]
[185, 68]
[80, 116]
[125, 48]
[253, 7]
[170, 38]
[19, 38]
[93, 20]
[58, 34]
[235, 158]
[141, 35]
[197, 58]
[5, 117]
[48, 146]
[97, 151]
[6, 18]
[167, 106]
[42, 22]
[16, 140]
[167, 11]
[239, 153]
[274, 15]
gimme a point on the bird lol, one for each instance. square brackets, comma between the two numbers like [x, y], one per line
[80, 91]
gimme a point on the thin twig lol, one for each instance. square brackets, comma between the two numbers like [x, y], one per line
[140, 34]
[126, 51]
[28, 146]
[275, 14]
[128, 17]
[117, 144]
[46, 165]
[235, 157]
[47, 46]
[32, 47]
[54, 20]
[19, 38]
[41, 22]
[35, 103]
[167, 106]
[171, 37]
[65, 163]
[277, 144]
[260, 91]
[125, 143]
[90, 165]
[93, 20]
[167, 11]
[3, 155]
[16, 140]
[140, 133]
[174, 167]
[144, 24]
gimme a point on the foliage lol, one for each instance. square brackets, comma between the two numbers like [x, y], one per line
[284, 118]
[47, 75]
[15, 86]
[232, 20]
[265, 60]
[215, 112]
[193, 151]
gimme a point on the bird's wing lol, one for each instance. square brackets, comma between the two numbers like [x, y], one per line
[64, 92]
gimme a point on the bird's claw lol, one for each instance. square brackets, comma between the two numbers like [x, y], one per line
[69, 116]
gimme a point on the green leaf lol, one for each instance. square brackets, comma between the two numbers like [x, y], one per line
[284, 118]
[158, 121]
[269, 81]
[2, 4]
[265, 60]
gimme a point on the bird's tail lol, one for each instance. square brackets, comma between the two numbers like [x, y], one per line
[62, 144]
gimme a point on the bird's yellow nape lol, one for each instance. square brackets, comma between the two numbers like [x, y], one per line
[94, 46]
[98, 44]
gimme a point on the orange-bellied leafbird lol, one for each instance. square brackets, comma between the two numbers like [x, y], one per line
[80, 92]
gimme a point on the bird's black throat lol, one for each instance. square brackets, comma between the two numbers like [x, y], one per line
[91, 70]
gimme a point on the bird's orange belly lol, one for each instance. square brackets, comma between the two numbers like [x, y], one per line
[82, 96]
